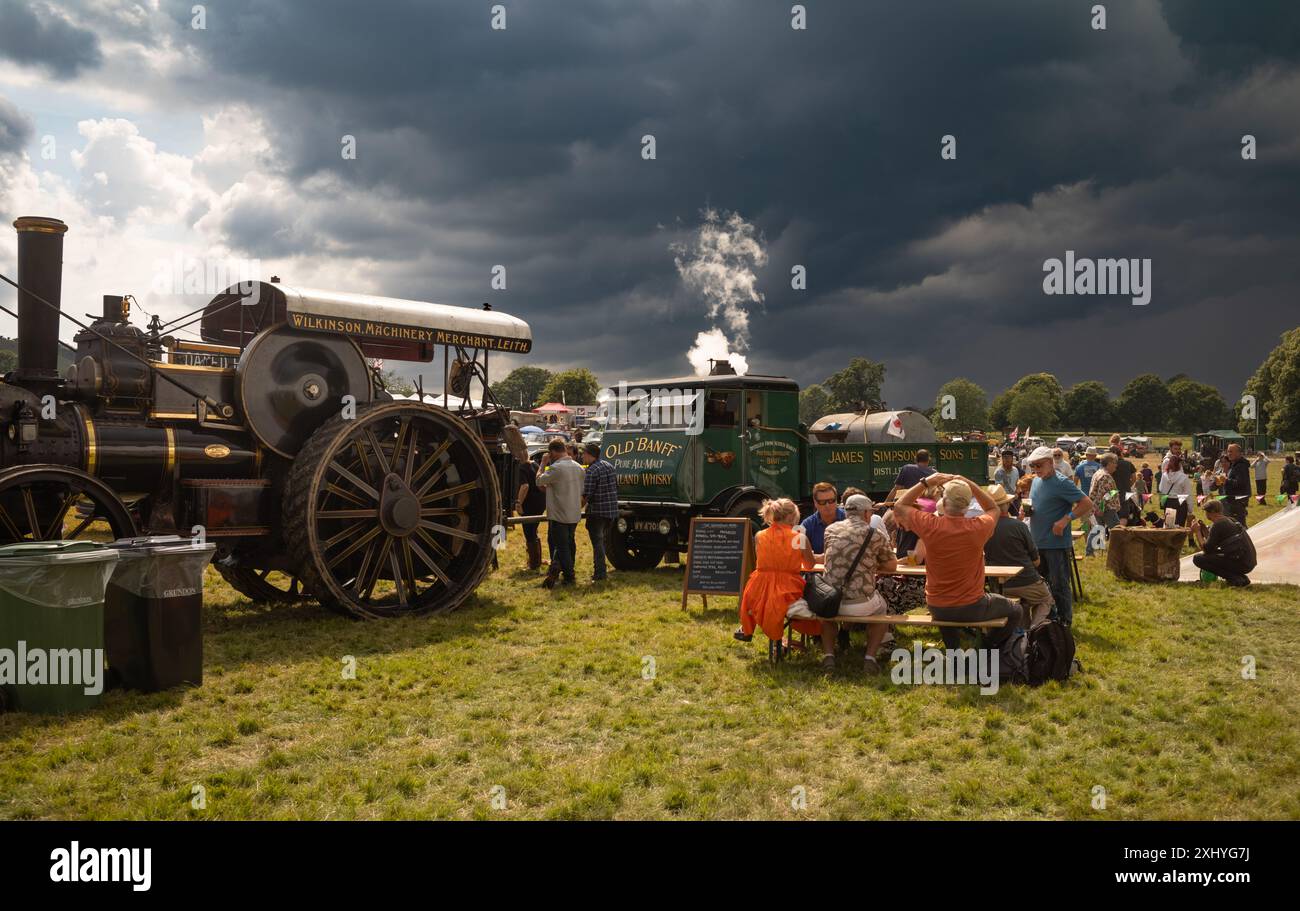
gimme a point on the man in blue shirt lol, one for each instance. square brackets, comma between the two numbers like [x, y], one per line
[1056, 500]
[1083, 475]
[826, 498]
[1087, 468]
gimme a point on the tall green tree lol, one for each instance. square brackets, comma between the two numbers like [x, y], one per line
[572, 387]
[968, 410]
[858, 383]
[1000, 412]
[1087, 405]
[1032, 408]
[522, 387]
[814, 402]
[1197, 407]
[1145, 404]
[1276, 390]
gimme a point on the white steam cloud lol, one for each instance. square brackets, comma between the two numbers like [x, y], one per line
[719, 263]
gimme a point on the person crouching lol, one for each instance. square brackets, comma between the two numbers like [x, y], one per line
[1228, 552]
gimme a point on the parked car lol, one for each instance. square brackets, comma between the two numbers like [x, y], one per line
[537, 441]
[1136, 446]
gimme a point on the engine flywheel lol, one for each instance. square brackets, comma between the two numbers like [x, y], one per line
[290, 382]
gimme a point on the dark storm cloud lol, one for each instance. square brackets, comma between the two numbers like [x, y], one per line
[522, 148]
[15, 128]
[34, 34]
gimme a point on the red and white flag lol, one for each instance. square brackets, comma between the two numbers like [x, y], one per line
[1015, 435]
[895, 428]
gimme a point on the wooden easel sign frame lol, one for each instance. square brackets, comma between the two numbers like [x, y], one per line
[693, 572]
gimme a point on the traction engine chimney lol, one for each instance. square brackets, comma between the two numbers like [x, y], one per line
[40, 272]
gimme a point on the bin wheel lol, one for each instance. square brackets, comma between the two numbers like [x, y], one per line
[56, 503]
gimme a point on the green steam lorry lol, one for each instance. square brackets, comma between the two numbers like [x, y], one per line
[720, 445]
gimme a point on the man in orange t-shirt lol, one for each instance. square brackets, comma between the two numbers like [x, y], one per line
[954, 556]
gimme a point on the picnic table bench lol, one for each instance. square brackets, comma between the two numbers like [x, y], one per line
[777, 650]
[997, 574]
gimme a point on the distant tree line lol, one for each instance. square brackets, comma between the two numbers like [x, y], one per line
[1147, 403]
[525, 388]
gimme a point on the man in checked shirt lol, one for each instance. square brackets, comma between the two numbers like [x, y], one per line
[600, 498]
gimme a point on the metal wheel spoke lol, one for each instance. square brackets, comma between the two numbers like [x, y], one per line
[348, 514]
[454, 532]
[375, 569]
[359, 579]
[343, 494]
[56, 525]
[9, 525]
[358, 543]
[30, 505]
[82, 526]
[434, 545]
[432, 460]
[369, 436]
[403, 427]
[361, 485]
[450, 491]
[361, 457]
[397, 576]
[410, 456]
[409, 570]
[428, 561]
[342, 536]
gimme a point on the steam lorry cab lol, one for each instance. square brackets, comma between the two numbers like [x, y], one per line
[720, 445]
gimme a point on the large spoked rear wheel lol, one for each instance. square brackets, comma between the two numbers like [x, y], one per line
[55, 503]
[392, 513]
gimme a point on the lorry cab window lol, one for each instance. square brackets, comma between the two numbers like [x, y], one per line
[721, 410]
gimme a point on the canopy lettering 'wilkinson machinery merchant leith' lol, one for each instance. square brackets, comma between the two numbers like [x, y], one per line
[273, 433]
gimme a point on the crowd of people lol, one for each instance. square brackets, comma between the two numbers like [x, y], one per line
[566, 481]
[952, 525]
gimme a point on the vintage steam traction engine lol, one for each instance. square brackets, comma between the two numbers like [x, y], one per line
[274, 433]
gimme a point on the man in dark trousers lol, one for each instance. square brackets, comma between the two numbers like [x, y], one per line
[1236, 486]
[530, 500]
[1228, 551]
[1124, 471]
[600, 497]
[562, 479]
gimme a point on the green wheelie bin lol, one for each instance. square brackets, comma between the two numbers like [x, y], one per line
[52, 624]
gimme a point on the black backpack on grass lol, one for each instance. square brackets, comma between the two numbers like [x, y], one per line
[1049, 652]
[1013, 665]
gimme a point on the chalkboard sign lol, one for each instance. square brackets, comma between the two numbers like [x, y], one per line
[719, 557]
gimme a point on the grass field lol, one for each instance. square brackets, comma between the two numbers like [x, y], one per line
[542, 700]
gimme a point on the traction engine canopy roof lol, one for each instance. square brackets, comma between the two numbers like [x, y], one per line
[384, 327]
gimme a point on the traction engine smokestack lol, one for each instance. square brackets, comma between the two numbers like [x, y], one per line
[40, 272]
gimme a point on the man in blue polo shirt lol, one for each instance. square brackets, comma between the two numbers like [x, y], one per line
[1057, 500]
[826, 498]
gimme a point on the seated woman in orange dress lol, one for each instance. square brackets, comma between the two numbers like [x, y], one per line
[776, 583]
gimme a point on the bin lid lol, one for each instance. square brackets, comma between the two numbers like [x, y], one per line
[30, 552]
[145, 544]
